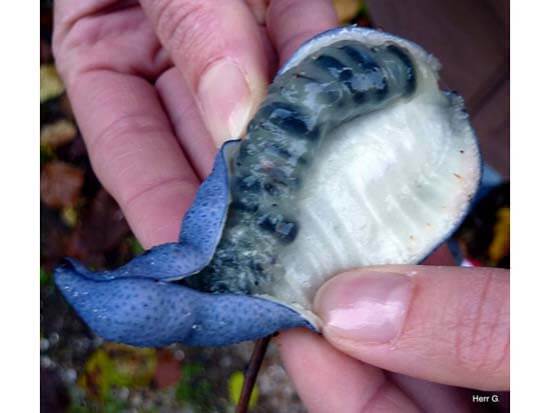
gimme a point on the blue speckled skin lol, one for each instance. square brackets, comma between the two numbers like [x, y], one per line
[145, 312]
[138, 305]
[202, 225]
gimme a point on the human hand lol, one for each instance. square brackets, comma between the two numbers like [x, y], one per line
[156, 86]
[400, 338]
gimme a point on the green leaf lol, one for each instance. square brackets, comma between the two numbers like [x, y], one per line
[45, 277]
[235, 385]
[50, 83]
[135, 246]
[193, 387]
[69, 215]
[117, 365]
[46, 154]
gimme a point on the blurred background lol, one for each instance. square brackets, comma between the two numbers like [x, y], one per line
[81, 373]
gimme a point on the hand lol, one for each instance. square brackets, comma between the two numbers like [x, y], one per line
[157, 85]
[400, 338]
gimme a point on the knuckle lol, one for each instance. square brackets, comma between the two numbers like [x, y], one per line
[115, 145]
[283, 13]
[281, 10]
[124, 127]
[61, 25]
[378, 399]
[62, 31]
[72, 37]
[186, 27]
[481, 342]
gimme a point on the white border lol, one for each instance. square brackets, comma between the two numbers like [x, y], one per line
[19, 218]
[530, 205]
[19, 214]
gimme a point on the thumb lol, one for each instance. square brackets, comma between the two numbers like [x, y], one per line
[443, 324]
[219, 50]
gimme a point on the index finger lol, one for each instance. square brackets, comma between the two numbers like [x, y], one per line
[292, 22]
[217, 47]
[330, 381]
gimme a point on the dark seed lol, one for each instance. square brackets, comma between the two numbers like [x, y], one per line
[360, 97]
[287, 231]
[287, 117]
[409, 67]
[346, 74]
[247, 183]
[330, 64]
[246, 203]
[361, 56]
[269, 221]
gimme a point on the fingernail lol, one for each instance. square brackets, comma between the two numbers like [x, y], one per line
[225, 99]
[366, 307]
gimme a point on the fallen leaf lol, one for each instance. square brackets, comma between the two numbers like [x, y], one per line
[235, 385]
[117, 365]
[168, 371]
[60, 184]
[58, 133]
[53, 237]
[55, 109]
[45, 51]
[47, 154]
[90, 239]
[346, 9]
[51, 85]
[500, 246]
[69, 215]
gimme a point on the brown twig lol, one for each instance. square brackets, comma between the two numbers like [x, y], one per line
[260, 347]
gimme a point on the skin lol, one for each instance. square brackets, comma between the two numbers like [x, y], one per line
[135, 73]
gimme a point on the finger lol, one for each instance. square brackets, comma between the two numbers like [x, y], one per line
[129, 139]
[186, 121]
[444, 324]
[217, 47]
[114, 34]
[432, 397]
[133, 152]
[259, 9]
[329, 381]
[292, 22]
